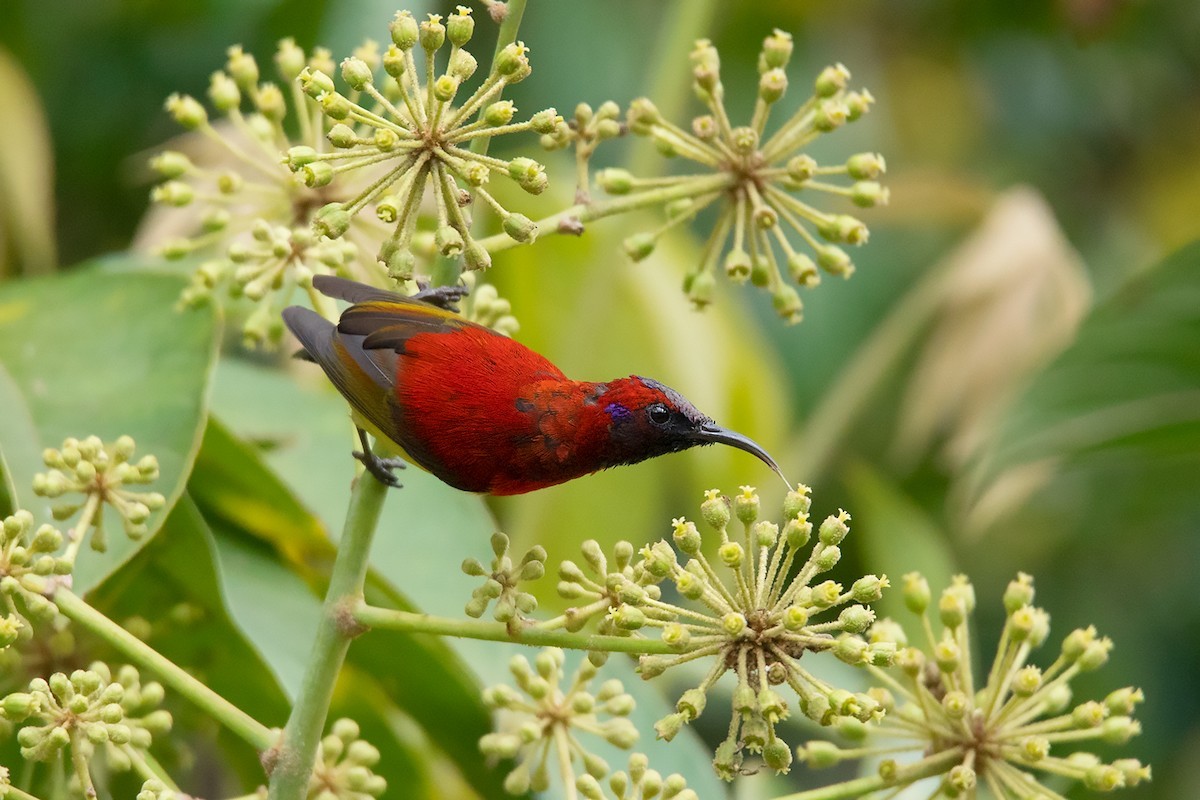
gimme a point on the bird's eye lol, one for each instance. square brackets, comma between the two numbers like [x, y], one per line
[659, 414]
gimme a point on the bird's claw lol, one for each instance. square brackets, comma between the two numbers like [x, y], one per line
[446, 297]
[381, 468]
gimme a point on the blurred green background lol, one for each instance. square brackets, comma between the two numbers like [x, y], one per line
[1011, 380]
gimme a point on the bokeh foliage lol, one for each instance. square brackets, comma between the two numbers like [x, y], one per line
[1063, 441]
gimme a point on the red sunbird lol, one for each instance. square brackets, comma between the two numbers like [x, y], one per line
[479, 410]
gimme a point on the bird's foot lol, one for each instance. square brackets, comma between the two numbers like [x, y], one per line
[381, 468]
[446, 297]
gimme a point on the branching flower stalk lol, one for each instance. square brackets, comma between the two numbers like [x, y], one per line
[410, 126]
[757, 180]
[539, 724]
[754, 613]
[1001, 731]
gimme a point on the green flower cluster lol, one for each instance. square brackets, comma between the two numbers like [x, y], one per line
[86, 711]
[502, 582]
[1001, 730]
[101, 474]
[545, 716]
[413, 130]
[757, 180]
[754, 613]
[238, 202]
[28, 558]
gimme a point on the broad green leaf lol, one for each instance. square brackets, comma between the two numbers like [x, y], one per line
[234, 487]
[101, 354]
[270, 603]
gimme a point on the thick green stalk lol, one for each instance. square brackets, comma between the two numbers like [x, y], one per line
[172, 676]
[409, 622]
[291, 761]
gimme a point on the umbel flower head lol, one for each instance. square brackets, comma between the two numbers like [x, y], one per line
[88, 711]
[502, 582]
[419, 131]
[101, 474]
[754, 613]
[541, 723]
[764, 230]
[1004, 730]
[239, 204]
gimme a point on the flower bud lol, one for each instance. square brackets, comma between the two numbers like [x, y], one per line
[772, 85]
[868, 194]
[916, 592]
[432, 33]
[731, 554]
[639, 245]
[289, 59]
[865, 166]
[832, 80]
[186, 111]
[356, 73]
[856, 619]
[733, 623]
[404, 30]
[512, 60]
[460, 26]
[777, 49]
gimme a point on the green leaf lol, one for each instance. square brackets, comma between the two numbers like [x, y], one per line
[108, 355]
[234, 487]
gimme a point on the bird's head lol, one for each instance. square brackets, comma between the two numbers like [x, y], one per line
[648, 419]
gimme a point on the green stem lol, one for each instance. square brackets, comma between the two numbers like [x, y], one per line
[176, 679]
[925, 768]
[410, 622]
[297, 750]
[80, 762]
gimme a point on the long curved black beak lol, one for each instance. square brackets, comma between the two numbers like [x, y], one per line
[711, 433]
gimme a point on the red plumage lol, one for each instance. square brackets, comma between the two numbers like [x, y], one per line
[481, 411]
